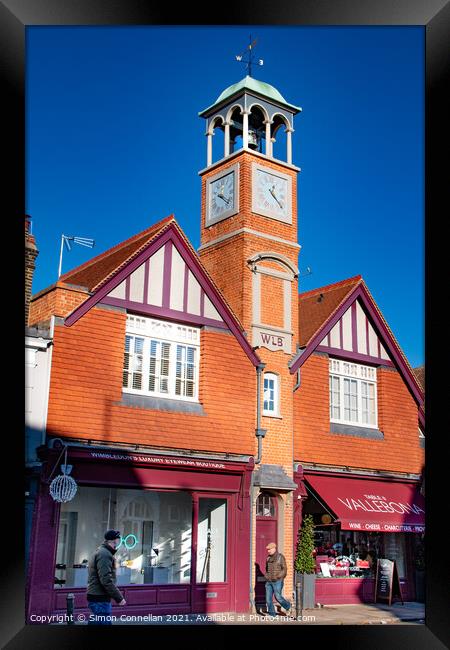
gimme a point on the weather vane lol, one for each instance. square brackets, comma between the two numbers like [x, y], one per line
[251, 58]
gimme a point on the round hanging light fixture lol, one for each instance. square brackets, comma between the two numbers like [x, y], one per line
[63, 487]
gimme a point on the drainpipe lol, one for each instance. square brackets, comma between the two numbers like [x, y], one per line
[297, 595]
[260, 433]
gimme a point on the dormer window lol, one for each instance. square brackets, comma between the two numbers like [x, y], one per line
[353, 394]
[161, 359]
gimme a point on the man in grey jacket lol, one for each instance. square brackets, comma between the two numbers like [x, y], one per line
[102, 580]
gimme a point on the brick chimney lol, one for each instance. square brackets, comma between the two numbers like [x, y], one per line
[31, 252]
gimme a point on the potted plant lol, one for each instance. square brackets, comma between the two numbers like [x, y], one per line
[305, 564]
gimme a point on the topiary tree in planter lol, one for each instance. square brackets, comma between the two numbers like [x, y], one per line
[305, 564]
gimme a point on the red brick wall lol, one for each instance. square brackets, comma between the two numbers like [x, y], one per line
[400, 450]
[60, 301]
[272, 301]
[31, 252]
[246, 217]
[226, 261]
[86, 386]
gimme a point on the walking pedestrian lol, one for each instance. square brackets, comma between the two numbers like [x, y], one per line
[276, 571]
[102, 580]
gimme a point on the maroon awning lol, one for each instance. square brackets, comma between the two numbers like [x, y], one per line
[365, 504]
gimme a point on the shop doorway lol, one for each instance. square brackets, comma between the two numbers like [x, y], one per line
[213, 576]
[266, 531]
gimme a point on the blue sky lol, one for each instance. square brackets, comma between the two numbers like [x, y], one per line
[114, 144]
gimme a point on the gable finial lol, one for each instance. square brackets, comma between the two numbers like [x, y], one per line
[251, 58]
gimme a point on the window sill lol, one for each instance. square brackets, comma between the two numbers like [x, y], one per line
[272, 415]
[358, 432]
[161, 404]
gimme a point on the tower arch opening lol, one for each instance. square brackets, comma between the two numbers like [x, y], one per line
[216, 133]
[257, 120]
[280, 138]
[235, 121]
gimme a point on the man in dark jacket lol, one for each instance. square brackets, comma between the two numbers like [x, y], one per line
[102, 580]
[276, 571]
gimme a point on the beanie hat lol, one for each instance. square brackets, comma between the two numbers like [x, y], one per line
[112, 534]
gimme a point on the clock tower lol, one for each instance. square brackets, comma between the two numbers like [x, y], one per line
[249, 211]
[249, 247]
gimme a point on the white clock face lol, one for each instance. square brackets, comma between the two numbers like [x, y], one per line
[271, 194]
[221, 196]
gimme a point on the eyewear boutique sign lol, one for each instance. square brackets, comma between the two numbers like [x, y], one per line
[161, 461]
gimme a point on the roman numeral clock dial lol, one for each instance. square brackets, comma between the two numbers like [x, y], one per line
[271, 194]
[222, 196]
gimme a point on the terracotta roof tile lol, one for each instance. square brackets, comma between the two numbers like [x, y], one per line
[315, 307]
[96, 271]
[419, 372]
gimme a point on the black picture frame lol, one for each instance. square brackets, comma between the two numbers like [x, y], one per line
[434, 16]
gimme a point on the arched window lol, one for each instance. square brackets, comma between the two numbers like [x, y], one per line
[271, 394]
[265, 505]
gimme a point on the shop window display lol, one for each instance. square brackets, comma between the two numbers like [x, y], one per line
[211, 540]
[156, 530]
[345, 553]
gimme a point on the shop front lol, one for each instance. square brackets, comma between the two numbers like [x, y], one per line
[180, 518]
[359, 520]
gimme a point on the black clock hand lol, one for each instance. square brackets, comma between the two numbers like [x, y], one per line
[223, 198]
[273, 194]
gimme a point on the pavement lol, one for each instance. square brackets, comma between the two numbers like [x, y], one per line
[410, 613]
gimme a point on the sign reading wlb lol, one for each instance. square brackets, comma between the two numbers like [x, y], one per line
[272, 339]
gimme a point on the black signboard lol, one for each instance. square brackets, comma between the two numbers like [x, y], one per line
[387, 581]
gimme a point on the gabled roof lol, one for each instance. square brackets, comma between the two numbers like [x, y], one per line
[315, 307]
[106, 271]
[320, 309]
[420, 375]
[93, 273]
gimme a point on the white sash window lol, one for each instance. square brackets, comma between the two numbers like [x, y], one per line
[271, 395]
[353, 394]
[161, 359]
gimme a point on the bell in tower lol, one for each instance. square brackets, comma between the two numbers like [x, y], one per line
[249, 113]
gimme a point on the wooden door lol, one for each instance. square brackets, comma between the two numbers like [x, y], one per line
[266, 532]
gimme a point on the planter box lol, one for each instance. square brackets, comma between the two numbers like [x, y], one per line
[307, 589]
[420, 585]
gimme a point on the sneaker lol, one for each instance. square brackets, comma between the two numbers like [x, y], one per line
[286, 610]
